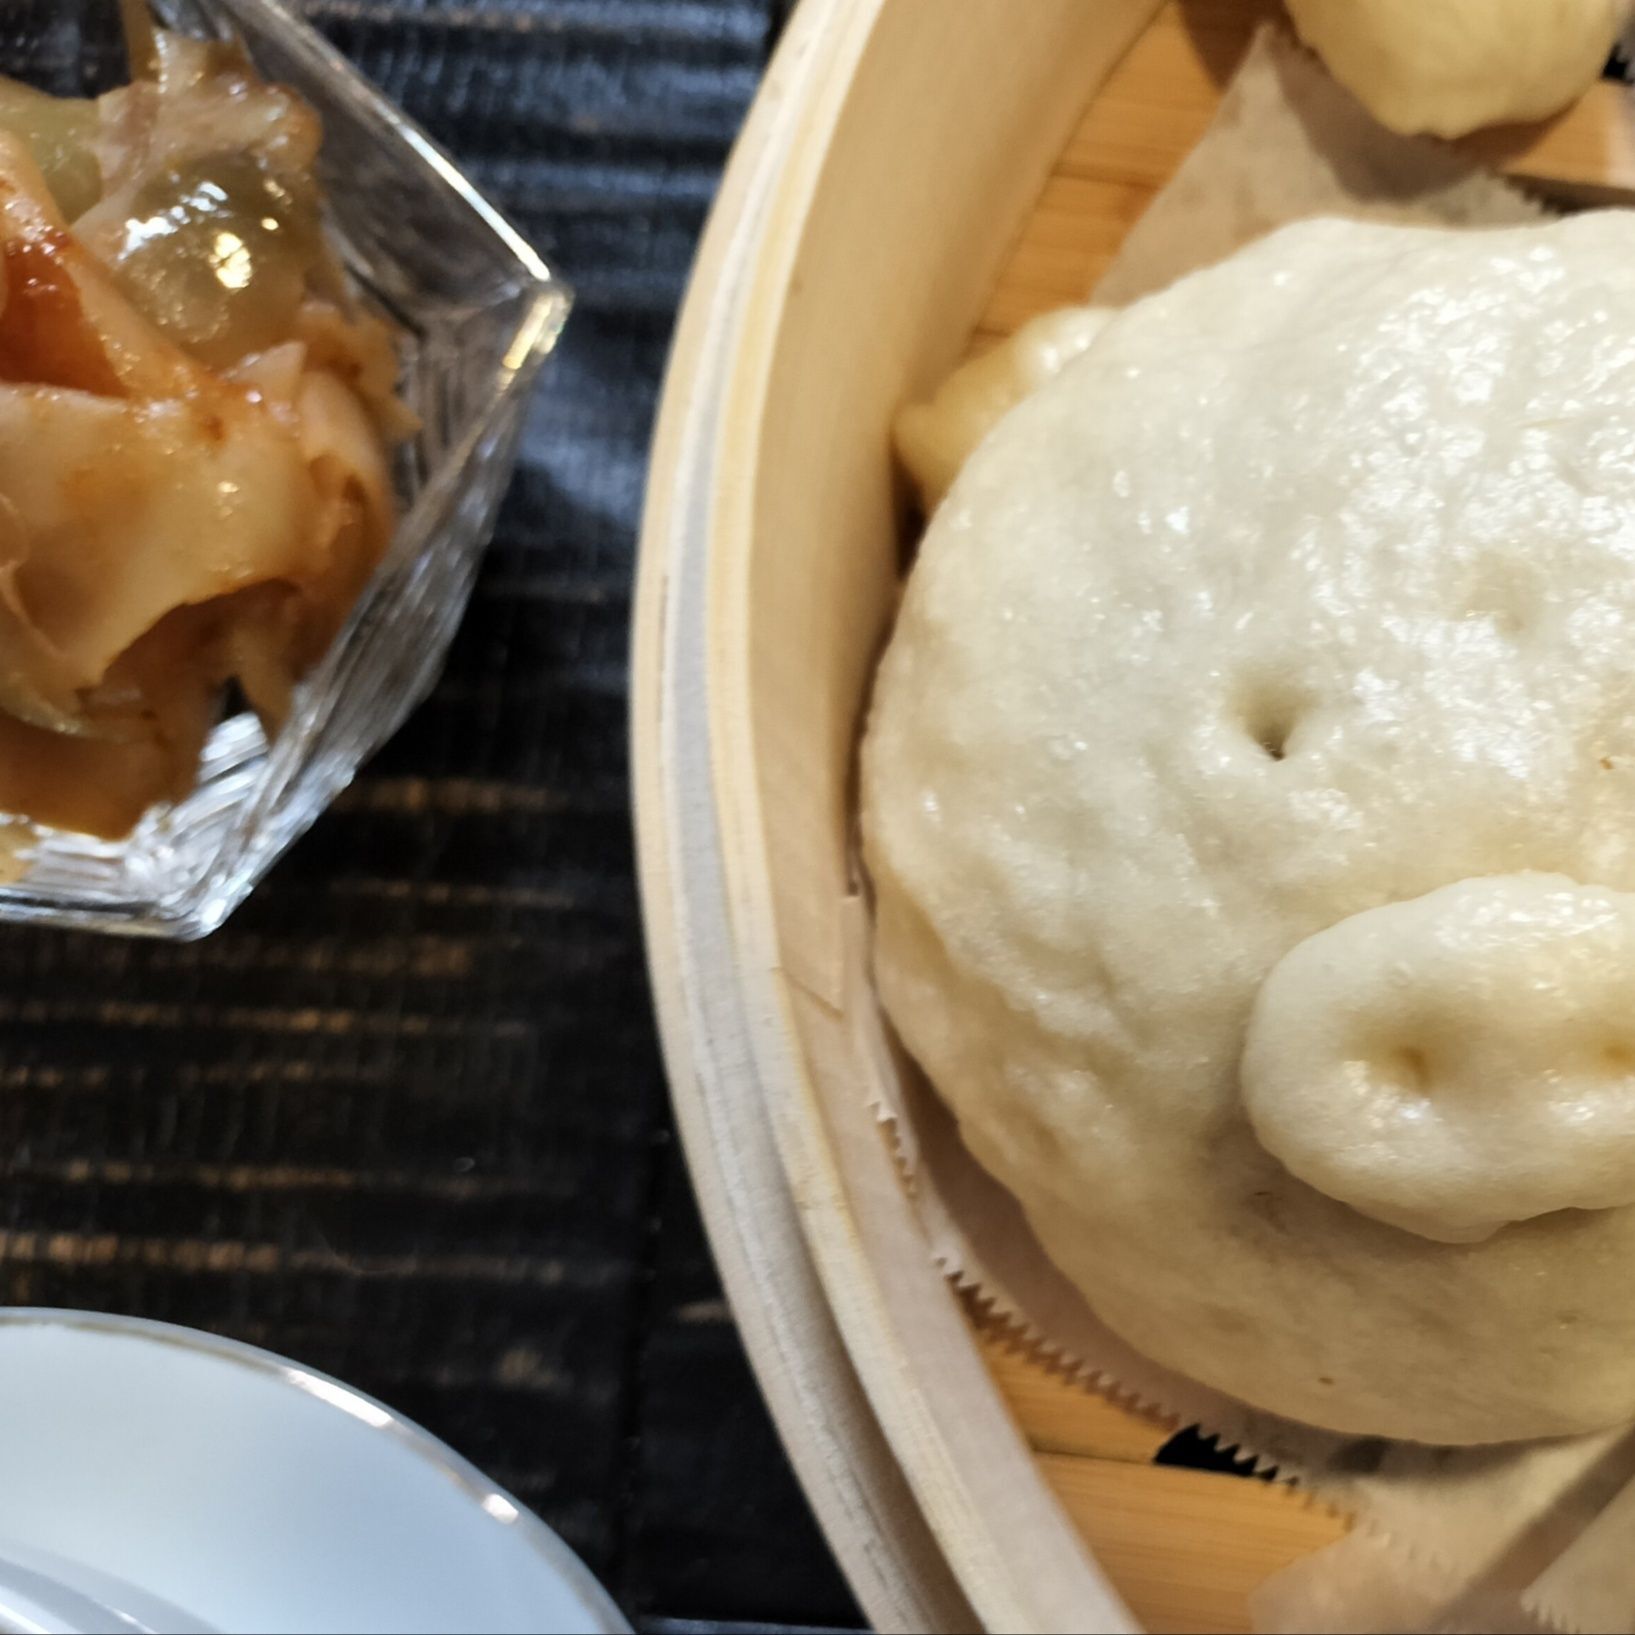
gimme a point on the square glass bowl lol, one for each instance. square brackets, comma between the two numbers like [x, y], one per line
[478, 312]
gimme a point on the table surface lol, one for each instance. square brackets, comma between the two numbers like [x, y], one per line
[404, 1118]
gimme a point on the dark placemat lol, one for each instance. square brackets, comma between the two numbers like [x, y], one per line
[404, 1118]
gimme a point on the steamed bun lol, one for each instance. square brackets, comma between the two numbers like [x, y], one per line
[1249, 796]
[1449, 66]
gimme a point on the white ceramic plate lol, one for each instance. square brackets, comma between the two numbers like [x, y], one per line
[152, 1477]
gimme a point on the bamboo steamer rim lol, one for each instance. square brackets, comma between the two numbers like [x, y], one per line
[731, 1042]
[868, 1513]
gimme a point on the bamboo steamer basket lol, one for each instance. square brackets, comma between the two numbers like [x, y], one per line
[916, 179]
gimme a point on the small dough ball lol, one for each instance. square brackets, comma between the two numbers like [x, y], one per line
[935, 439]
[1449, 66]
[1459, 1061]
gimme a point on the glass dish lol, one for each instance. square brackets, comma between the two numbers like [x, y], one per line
[479, 312]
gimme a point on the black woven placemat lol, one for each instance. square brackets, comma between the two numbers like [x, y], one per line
[404, 1117]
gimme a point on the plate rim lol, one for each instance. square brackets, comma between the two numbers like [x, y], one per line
[339, 1397]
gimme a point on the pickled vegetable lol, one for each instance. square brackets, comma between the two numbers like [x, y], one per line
[217, 253]
[60, 134]
[195, 419]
